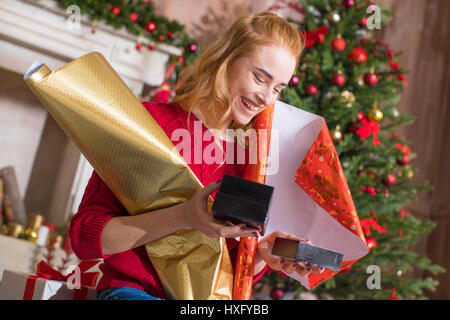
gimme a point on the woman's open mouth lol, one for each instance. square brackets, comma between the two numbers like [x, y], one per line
[249, 106]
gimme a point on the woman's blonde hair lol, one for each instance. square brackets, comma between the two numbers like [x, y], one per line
[205, 82]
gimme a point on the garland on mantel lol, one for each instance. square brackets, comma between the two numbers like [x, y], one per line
[138, 17]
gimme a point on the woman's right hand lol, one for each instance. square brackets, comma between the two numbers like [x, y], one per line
[195, 214]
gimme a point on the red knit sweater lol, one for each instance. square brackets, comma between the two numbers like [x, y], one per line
[133, 267]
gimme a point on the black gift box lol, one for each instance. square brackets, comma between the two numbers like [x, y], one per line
[302, 251]
[243, 201]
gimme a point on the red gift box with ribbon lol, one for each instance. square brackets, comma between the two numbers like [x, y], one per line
[86, 279]
[50, 284]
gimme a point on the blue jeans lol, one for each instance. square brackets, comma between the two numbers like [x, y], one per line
[125, 293]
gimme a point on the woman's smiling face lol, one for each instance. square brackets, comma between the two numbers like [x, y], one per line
[255, 81]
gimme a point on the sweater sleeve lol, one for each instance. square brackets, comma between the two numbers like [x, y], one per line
[97, 207]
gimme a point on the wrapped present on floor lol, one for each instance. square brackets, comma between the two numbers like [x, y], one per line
[49, 284]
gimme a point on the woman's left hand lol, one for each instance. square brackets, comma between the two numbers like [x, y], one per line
[286, 265]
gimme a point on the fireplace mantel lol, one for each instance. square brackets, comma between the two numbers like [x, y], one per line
[39, 30]
[52, 173]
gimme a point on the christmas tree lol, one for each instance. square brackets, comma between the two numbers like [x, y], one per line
[354, 82]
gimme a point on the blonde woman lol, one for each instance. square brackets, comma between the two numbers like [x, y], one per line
[237, 77]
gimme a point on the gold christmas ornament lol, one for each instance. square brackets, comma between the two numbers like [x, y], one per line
[15, 230]
[333, 17]
[336, 134]
[406, 172]
[349, 97]
[375, 114]
[139, 163]
[34, 222]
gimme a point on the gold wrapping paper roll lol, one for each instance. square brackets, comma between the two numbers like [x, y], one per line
[138, 162]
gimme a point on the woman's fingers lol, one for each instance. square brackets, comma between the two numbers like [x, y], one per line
[239, 230]
[303, 269]
[285, 235]
[210, 188]
[289, 266]
[317, 269]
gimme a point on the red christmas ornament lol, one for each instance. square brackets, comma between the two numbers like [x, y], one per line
[386, 193]
[358, 54]
[133, 16]
[170, 34]
[338, 44]
[150, 26]
[338, 79]
[403, 79]
[311, 90]
[161, 38]
[116, 10]
[390, 180]
[394, 65]
[180, 59]
[371, 243]
[390, 53]
[371, 190]
[192, 47]
[370, 79]
[151, 47]
[405, 159]
[276, 294]
[348, 3]
[138, 47]
[404, 148]
[294, 80]
[363, 22]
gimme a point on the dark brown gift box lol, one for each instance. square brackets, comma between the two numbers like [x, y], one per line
[243, 201]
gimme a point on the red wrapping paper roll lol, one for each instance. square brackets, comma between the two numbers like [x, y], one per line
[245, 263]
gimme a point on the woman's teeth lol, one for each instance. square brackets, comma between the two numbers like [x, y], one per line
[248, 105]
